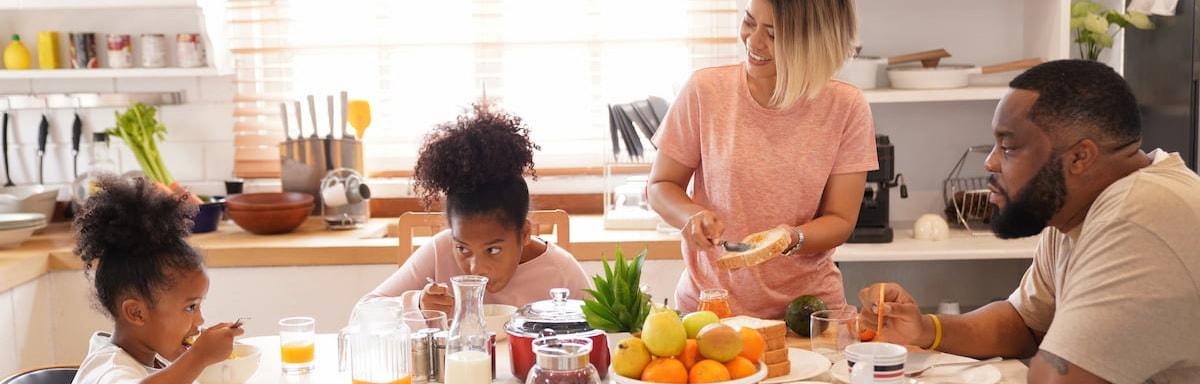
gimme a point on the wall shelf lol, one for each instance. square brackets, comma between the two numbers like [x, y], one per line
[30, 5]
[888, 95]
[104, 73]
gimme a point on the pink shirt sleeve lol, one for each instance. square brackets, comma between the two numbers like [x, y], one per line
[679, 135]
[856, 151]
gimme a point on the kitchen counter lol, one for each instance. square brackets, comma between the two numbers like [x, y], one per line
[375, 243]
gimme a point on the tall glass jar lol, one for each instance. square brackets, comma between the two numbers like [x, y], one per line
[468, 359]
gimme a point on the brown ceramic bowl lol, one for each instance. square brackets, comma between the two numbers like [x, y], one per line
[269, 213]
[268, 201]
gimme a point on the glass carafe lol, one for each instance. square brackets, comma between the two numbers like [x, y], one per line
[468, 360]
[100, 164]
[375, 345]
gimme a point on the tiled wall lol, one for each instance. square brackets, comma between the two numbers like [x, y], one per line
[199, 146]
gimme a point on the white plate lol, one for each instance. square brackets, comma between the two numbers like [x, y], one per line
[756, 377]
[21, 220]
[805, 365]
[10, 238]
[986, 374]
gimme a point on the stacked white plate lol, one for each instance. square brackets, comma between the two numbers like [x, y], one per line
[15, 228]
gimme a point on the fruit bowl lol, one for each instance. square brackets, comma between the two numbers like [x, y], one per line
[756, 377]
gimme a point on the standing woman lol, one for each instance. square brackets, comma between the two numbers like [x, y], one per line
[770, 142]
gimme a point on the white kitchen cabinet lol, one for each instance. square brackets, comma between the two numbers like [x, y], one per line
[33, 322]
[8, 345]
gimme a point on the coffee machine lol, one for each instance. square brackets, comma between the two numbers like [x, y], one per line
[873, 217]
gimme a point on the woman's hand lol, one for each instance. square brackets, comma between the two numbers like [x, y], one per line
[437, 297]
[703, 229]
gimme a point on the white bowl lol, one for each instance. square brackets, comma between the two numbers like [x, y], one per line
[235, 370]
[497, 315]
[39, 202]
[11, 238]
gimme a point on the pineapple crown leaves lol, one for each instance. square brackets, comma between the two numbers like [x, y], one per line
[618, 303]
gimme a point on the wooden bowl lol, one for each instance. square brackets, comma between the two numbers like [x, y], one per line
[259, 216]
[269, 201]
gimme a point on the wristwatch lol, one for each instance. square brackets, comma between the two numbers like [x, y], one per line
[799, 236]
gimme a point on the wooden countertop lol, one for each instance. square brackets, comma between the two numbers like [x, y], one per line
[311, 244]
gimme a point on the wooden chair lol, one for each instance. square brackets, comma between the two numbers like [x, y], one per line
[56, 374]
[414, 224]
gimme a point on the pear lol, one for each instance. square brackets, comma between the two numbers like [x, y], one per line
[663, 333]
[719, 342]
[696, 321]
[630, 358]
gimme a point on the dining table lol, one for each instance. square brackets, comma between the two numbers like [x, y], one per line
[326, 364]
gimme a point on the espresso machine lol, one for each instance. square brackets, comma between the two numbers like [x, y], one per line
[873, 217]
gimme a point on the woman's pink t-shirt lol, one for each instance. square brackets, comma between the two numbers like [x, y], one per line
[757, 168]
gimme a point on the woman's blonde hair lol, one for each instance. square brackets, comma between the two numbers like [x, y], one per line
[812, 40]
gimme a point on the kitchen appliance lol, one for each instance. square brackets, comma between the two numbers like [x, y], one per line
[874, 214]
[946, 76]
[345, 199]
[1162, 66]
[375, 345]
[561, 315]
[863, 71]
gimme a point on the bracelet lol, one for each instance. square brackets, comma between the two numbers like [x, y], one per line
[937, 332]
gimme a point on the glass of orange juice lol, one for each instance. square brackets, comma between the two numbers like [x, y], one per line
[297, 336]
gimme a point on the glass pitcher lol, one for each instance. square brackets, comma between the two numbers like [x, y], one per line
[375, 345]
[468, 359]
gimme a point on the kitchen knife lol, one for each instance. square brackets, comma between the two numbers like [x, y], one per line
[7, 176]
[76, 135]
[300, 132]
[328, 142]
[287, 143]
[43, 134]
[345, 102]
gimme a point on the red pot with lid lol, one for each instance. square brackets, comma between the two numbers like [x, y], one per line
[557, 316]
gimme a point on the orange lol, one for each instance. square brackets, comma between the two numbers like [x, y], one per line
[866, 335]
[740, 367]
[708, 371]
[665, 370]
[691, 354]
[753, 344]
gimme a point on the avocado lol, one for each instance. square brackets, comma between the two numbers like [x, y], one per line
[799, 313]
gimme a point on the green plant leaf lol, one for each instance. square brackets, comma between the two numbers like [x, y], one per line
[1080, 8]
[1095, 23]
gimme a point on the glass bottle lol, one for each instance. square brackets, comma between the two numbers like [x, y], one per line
[563, 360]
[468, 360]
[101, 163]
[717, 301]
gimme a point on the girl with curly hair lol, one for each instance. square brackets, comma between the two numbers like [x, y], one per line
[477, 163]
[150, 282]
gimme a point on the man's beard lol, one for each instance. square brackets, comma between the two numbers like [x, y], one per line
[1029, 213]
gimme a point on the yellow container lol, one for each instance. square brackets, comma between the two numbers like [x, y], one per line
[16, 56]
[47, 47]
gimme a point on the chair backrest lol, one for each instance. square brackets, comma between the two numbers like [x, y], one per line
[59, 374]
[413, 224]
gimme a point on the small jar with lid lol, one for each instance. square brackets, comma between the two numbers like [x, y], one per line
[563, 360]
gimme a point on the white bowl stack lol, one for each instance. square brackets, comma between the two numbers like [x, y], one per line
[15, 228]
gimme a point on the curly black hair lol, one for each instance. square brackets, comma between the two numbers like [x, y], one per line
[478, 162]
[130, 236]
[1082, 94]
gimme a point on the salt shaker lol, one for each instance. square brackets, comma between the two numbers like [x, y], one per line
[422, 356]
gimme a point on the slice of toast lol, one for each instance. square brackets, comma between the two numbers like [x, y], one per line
[775, 356]
[779, 369]
[766, 245]
[770, 329]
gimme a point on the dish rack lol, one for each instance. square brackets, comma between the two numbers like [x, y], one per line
[966, 198]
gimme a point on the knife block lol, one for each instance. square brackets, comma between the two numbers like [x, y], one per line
[303, 163]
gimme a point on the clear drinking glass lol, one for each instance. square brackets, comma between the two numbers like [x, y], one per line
[418, 320]
[297, 341]
[832, 330]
